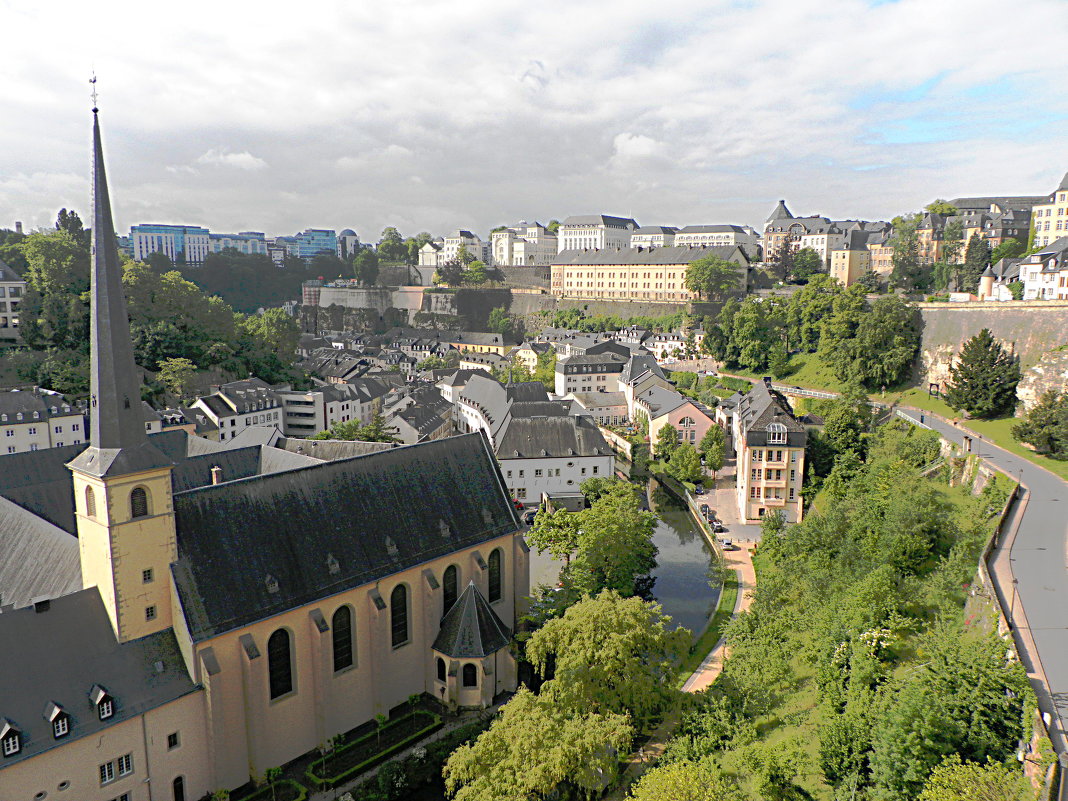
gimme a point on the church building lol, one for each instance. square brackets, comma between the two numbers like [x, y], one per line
[177, 615]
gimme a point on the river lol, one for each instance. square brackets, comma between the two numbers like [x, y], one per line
[681, 574]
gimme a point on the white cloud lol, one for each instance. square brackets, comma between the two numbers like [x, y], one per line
[707, 111]
[243, 160]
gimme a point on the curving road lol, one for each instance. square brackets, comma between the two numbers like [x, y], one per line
[1031, 573]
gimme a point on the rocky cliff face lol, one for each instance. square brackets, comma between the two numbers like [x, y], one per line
[1051, 372]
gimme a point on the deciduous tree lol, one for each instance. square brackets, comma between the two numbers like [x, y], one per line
[555, 532]
[685, 464]
[713, 449]
[954, 780]
[1045, 426]
[615, 544]
[684, 781]
[713, 278]
[177, 374]
[806, 263]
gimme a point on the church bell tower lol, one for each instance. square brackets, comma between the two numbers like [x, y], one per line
[122, 482]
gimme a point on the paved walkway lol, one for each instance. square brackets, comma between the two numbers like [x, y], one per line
[1030, 571]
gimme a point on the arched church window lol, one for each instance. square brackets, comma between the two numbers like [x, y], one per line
[139, 502]
[279, 664]
[342, 636]
[90, 502]
[451, 588]
[496, 578]
[398, 608]
[470, 676]
[442, 674]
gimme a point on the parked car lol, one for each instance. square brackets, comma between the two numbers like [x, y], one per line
[727, 545]
[704, 509]
[698, 490]
[718, 527]
[528, 516]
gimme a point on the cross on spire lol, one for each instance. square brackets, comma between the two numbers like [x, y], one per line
[93, 93]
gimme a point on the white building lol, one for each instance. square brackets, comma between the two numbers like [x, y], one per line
[607, 408]
[32, 420]
[12, 288]
[307, 412]
[718, 236]
[552, 455]
[348, 244]
[653, 236]
[239, 405]
[597, 372]
[523, 245]
[1045, 274]
[450, 247]
[595, 232]
[1051, 218]
[180, 243]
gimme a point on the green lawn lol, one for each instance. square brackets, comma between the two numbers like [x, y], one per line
[711, 635]
[803, 370]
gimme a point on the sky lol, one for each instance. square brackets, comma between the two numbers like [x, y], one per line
[432, 116]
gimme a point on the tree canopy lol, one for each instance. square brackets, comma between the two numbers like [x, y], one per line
[375, 430]
[713, 278]
[1045, 426]
[983, 379]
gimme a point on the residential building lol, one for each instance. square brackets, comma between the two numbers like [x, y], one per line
[182, 244]
[238, 405]
[187, 622]
[12, 289]
[595, 372]
[770, 446]
[32, 420]
[477, 342]
[635, 273]
[674, 344]
[607, 408]
[247, 242]
[595, 232]
[551, 454]
[720, 236]
[653, 236]
[1050, 215]
[1045, 274]
[451, 244]
[994, 283]
[420, 414]
[666, 409]
[485, 404]
[528, 353]
[852, 261]
[307, 412]
[881, 253]
[486, 362]
[430, 253]
[524, 245]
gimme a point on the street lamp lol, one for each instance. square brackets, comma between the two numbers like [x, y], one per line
[1012, 604]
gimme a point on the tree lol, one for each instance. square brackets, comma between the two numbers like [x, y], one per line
[391, 245]
[365, 267]
[907, 273]
[615, 544]
[806, 263]
[70, 222]
[976, 260]
[1045, 427]
[375, 431]
[943, 207]
[501, 323]
[713, 278]
[177, 375]
[983, 380]
[1017, 289]
[954, 780]
[684, 781]
[276, 330]
[667, 440]
[545, 372]
[713, 448]
[784, 258]
[555, 532]
[611, 654]
[875, 349]
[806, 310]
[535, 746]
[685, 464]
[952, 241]
[1008, 249]
[847, 417]
[476, 273]
[553, 226]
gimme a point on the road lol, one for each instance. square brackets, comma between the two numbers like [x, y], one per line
[1037, 558]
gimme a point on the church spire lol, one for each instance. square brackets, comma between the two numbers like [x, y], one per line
[118, 442]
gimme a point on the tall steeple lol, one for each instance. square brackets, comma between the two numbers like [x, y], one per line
[118, 442]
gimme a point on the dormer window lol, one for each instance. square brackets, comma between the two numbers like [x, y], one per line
[10, 738]
[59, 719]
[104, 703]
[776, 434]
[18, 416]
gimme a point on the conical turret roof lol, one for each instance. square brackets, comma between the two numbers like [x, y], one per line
[780, 213]
[118, 442]
[471, 629]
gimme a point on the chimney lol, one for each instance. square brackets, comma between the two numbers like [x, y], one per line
[216, 475]
[41, 604]
[18, 227]
[767, 381]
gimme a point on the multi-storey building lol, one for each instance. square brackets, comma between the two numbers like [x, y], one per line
[667, 410]
[348, 244]
[451, 244]
[307, 412]
[1050, 215]
[595, 232]
[597, 372]
[635, 273]
[312, 241]
[32, 420]
[720, 236]
[653, 236]
[770, 446]
[247, 242]
[239, 405]
[182, 244]
[1045, 273]
[12, 288]
[524, 245]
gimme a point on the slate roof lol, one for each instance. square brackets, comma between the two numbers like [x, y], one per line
[761, 407]
[672, 255]
[39, 559]
[599, 219]
[639, 364]
[780, 212]
[712, 229]
[372, 515]
[656, 229]
[7, 274]
[471, 629]
[41, 482]
[1005, 201]
[14, 401]
[66, 649]
[542, 437]
[600, 399]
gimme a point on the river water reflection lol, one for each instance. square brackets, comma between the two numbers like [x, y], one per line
[681, 574]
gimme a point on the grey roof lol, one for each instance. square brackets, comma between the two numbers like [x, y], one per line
[539, 437]
[29, 401]
[672, 255]
[1004, 201]
[662, 400]
[401, 507]
[39, 559]
[588, 399]
[638, 365]
[118, 442]
[1063, 184]
[66, 649]
[8, 274]
[41, 482]
[712, 229]
[780, 212]
[600, 219]
[656, 229]
[471, 629]
[461, 338]
[330, 450]
[763, 406]
[347, 232]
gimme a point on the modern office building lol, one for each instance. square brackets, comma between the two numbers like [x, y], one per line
[182, 244]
